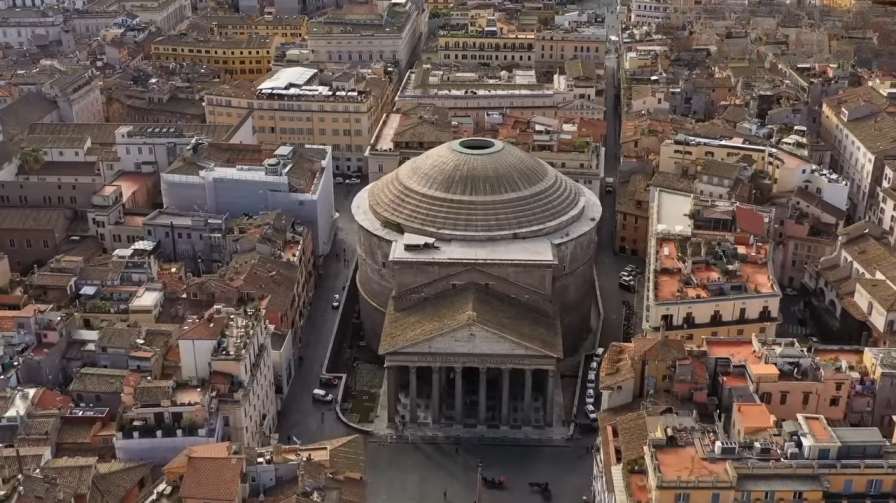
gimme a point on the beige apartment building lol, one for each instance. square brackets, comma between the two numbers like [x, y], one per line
[709, 269]
[343, 114]
[504, 48]
[561, 45]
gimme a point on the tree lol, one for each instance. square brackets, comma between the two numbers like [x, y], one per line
[31, 159]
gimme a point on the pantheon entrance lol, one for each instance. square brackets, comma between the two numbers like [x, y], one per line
[492, 395]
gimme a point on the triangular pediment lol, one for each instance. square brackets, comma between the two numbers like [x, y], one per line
[472, 338]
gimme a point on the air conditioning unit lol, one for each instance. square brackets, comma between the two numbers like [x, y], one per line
[725, 448]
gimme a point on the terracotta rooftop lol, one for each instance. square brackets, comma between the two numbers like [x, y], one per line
[736, 351]
[212, 479]
[754, 416]
[684, 463]
[818, 428]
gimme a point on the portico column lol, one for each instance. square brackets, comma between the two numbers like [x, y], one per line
[527, 398]
[482, 377]
[505, 395]
[412, 395]
[436, 389]
[391, 393]
[549, 400]
[458, 395]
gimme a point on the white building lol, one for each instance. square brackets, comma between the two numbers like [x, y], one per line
[30, 27]
[231, 350]
[863, 133]
[827, 185]
[248, 404]
[390, 34]
[296, 180]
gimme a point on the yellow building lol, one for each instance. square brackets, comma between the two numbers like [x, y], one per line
[246, 59]
[283, 29]
[505, 48]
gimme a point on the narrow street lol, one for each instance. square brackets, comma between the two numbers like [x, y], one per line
[301, 418]
[609, 263]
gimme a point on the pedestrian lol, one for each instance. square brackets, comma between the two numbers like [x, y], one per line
[321, 417]
[445, 495]
[457, 450]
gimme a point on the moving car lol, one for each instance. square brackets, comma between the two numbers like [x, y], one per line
[589, 396]
[591, 412]
[328, 380]
[319, 395]
[337, 300]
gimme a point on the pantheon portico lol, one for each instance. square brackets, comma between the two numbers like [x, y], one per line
[475, 278]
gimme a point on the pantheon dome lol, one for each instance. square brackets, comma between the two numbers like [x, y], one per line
[476, 189]
[477, 212]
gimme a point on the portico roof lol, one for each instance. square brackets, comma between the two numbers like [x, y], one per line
[471, 305]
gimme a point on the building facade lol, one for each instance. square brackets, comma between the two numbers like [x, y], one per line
[342, 117]
[248, 58]
[709, 269]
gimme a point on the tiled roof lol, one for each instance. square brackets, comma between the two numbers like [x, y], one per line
[72, 432]
[153, 392]
[204, 330]
[118, 337]
[115, 479]
[55, 219]
[27, 109]
[97, 380]
[52, 279]
[212, 479]
[29, 457]
[471, 305]
[879, 290]
[75, 473]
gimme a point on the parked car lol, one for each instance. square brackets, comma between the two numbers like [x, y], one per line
[627, 284]
[353, 181]
[599, 354]
[319, 395]
[328, 380]
[337, 300]
[592, 376]
[609, 185]
[589, 396]
[626, 276]
[790, 291]
[632, 269]
[338, 180]
[591, 412]
[594, 364]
